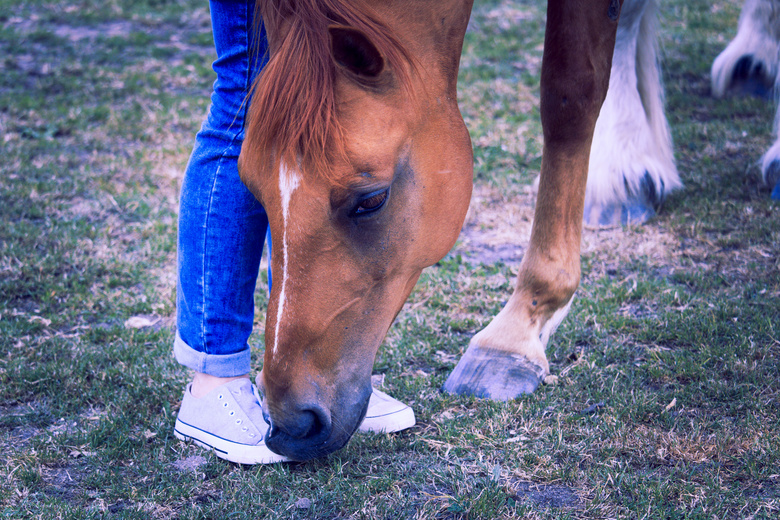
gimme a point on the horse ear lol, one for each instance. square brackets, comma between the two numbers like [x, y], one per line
[353, 50]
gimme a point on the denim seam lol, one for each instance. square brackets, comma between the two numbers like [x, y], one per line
[249, 79]
[204, 267]
[251, 57]
[233, 141]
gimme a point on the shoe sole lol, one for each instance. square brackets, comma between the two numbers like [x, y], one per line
[226, 449]
[390, 422]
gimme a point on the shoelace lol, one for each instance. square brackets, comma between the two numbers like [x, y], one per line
[232, 413]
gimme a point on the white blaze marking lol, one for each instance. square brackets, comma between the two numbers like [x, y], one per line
[289, 180]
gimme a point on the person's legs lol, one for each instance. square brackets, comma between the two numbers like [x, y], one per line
[221, 232]
[221, 225]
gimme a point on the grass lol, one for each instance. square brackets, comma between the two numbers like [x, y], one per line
[668, 366]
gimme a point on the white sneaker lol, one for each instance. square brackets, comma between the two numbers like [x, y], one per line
[229, 421]
[386, 415]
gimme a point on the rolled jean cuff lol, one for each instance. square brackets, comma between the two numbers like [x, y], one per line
[222, 365]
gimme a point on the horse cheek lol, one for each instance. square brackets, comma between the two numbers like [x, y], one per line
[446, 191]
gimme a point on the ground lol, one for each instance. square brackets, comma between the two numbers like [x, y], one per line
[667, 392]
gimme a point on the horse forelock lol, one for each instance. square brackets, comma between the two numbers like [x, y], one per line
[293, 117]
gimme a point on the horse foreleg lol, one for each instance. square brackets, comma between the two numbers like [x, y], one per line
[632, 159]
[507, 358]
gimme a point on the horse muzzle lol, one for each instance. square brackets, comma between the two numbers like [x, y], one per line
[307, 430]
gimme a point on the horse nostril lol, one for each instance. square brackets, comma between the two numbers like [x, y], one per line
[309, 424]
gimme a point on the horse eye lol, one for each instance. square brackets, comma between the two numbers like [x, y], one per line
[371, 203]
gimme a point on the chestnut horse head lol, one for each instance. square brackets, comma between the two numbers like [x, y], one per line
[358, 152]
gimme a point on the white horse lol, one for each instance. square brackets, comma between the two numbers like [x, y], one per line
[632, 165]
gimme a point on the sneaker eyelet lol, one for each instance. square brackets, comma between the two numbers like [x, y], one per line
[252, 435]
[232, 413]
[225, 404]
[244, 429]
[219, 396]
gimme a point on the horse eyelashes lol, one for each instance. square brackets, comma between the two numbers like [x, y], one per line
[371, 203]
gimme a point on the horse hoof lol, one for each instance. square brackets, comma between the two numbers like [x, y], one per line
[616, 214]
[638, 209]
[751, 77]
[772, 176]
[494, 374]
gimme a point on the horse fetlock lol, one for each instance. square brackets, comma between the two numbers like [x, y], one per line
[546, 282]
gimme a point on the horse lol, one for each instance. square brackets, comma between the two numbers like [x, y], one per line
[357, 149]
[632, 167]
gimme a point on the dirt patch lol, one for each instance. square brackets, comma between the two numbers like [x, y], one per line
[545, 495]
[23, 422]
[765, 490]
[62, 482]
[497, 227]
[190, 464]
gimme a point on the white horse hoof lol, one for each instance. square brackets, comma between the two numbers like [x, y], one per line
[770, 166]
[749, 63]
[637, 209]
[772, 177]
[752, 78]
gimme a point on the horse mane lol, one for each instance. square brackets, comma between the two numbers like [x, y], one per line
[293, 116]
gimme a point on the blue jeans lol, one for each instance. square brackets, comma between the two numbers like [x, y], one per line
[221, 225]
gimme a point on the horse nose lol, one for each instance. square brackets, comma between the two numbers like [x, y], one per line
[309, 423]
[300, 434]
